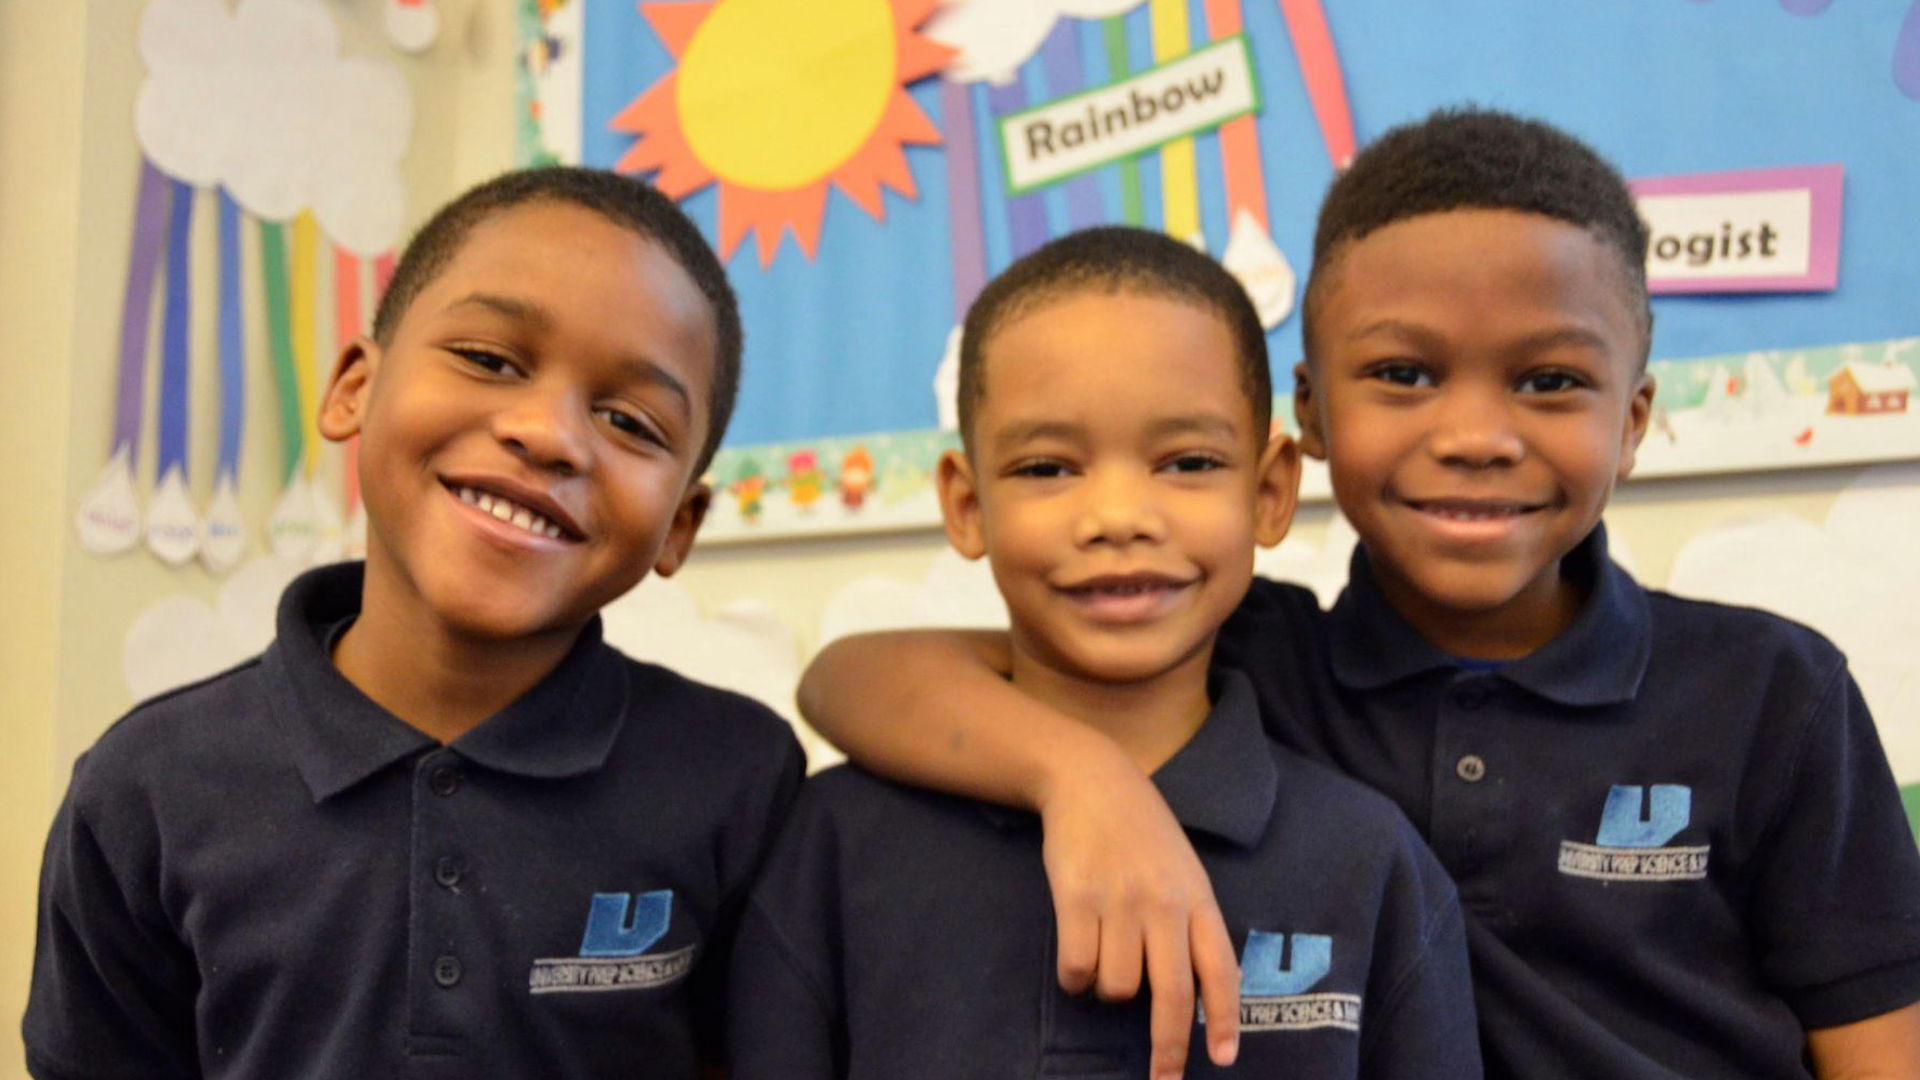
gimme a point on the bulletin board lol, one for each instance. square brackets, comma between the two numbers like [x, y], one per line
[864, 167]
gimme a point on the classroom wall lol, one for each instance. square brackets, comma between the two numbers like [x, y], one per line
[68, 75]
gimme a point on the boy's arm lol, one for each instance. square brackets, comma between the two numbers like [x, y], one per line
[113, 988]
[1885, 1047]
[782, 1024]
[1837, 912]
[1419, 1021]
[931, 708]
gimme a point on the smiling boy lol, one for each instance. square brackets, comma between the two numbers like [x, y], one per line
[1117, 476]
[1675, 835]
[439, 829]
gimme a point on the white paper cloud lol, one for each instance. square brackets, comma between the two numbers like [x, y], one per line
[996, 36]
[182, 639]
[743, 647]
[1854, 579]
[955, 592]
[260, 101]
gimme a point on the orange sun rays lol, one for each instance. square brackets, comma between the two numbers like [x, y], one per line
[662, 146]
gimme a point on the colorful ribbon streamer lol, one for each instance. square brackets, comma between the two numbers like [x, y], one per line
[382, 275]
[1026, 214]
[1320, 68]
[964, 224]
[233, 372]
[1179, 170]
[306, 253]
[1119, 66]
[1239, 137]
[136, 314]
[176, 332]
[273, 263]
[347, 325]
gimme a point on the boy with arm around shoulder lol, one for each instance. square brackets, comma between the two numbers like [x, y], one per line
[1117, 474]
[1676, 838]
[439, 828]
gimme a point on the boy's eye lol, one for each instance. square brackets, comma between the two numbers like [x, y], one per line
[486, 361]
[1399, 374]
[628, 424]
[1039, 470]
[1550, 382]
[1194, 463]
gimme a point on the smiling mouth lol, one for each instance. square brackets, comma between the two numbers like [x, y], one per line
[1120, 586]
[1122, 600]
[1473, 510]
[512, 513]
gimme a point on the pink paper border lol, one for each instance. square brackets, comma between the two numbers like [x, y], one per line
[1824, 182]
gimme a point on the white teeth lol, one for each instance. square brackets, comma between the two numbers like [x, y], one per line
[1473, 513]
[510, 512]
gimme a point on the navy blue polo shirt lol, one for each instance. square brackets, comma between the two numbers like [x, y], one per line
[266, 874]
[1673, 828]
[902, 933]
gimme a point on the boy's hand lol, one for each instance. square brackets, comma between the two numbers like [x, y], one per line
[1126, 883]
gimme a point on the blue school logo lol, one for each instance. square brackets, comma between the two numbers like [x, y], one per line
[1279, 979]
[1636, 825]
[621, 927]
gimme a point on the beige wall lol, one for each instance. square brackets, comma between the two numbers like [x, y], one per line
[69, 71]
[68, 74]
[40, 102]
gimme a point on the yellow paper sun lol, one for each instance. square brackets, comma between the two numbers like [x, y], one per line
[776, 99]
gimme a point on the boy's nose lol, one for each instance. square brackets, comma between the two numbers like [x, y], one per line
[1119, 509]
[547, 430]
[1475, 430]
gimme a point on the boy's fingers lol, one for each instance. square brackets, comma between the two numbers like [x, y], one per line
[1170, 976]
[1219, 975]
[1078, 933]
[1120, 951]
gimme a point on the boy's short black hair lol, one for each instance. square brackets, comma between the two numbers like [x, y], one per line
[1479, 159]
[1113, 259]
[625, 201]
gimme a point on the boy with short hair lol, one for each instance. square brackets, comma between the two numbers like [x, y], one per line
[1114, 405]
[1676, 837]
[439, 828]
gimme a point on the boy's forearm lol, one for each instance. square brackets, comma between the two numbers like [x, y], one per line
[1884, 1047]
[933, 708]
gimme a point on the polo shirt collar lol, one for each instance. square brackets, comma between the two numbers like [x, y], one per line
[1599, 659]
[565, 726]
[1223, 781]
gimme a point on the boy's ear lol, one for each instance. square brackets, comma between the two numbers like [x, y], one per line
[686, 525]
[1279, 490]
[345, 403]
[1306, 412]
[1639, 412]
[960, 505]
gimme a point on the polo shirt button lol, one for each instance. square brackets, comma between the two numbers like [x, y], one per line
[445, 780]
[1472, 697]
[447, 871]
[446, 971]
[1471, 768]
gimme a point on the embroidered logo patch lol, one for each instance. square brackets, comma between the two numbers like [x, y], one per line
[1635, 828]
[1279, 974]
[621, 927]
